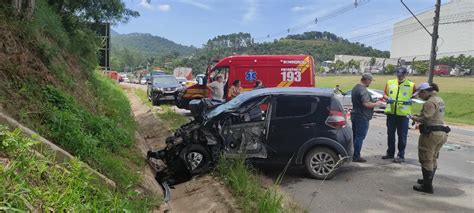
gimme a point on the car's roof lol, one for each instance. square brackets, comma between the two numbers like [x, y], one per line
[326, 92]
[162, 76]
[242, 98]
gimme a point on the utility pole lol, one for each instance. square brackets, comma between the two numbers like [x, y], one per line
[434, 36]
[434, 41]
[413, 65]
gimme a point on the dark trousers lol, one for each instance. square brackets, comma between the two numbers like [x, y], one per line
[398, 124]
[360, 126]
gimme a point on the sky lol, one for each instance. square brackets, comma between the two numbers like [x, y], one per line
[194, 22]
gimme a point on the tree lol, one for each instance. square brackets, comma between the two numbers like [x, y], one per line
[25, 7]
[112, 11]
[422, 67]
[389, 69]
[340, 65]
[371, 63]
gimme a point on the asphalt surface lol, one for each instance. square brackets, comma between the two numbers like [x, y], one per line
[383, 186]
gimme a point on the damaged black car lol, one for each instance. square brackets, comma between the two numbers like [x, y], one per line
[306, 125]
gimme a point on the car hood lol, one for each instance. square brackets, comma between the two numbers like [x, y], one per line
[160, 85]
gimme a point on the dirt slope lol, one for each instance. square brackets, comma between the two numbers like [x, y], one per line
[202, 194]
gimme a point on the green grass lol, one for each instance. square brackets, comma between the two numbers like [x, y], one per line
[32, 183]
[245, 185]
[143, 97]
[174, 119]
[168, 115]
[457, 92]
[60, 95]
[95, 138]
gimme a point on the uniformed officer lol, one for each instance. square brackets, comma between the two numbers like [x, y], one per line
[398, 93]
[433, 134]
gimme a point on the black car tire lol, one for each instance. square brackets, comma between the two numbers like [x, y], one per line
[197, 158]
[321, 155]
[155, 101]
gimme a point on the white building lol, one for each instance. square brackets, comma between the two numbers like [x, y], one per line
[456, 33]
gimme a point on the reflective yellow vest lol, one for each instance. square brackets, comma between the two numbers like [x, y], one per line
[399, 94]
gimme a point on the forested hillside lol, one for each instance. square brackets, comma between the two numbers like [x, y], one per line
[322, 45]
[132, 50]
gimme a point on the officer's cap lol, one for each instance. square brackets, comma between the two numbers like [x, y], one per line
[402, 71]
[421, 87]
[367, 76]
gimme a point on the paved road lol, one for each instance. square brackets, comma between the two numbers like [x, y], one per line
[381, 185]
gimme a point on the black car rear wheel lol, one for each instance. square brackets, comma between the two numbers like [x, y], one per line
[197, 158]
[321, 163]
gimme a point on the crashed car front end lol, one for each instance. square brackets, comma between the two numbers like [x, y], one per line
[186, 154]
[192, 148]
[196, 146]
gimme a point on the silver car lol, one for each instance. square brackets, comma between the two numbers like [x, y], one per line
[375, 94]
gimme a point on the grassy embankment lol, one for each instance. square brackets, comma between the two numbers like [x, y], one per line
[235, 173]
[30, 182]
[48, 82]
[457, 92]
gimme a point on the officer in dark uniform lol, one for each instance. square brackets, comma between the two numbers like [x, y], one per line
[433, 134]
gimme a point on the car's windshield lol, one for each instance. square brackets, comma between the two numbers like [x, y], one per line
[165, 80]
[232, 104]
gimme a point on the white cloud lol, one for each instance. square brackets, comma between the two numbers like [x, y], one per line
[298, 8]
[251, 13]
[145, 4]
[164, 7]
[197, 4]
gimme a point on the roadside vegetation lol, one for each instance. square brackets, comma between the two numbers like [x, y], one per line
[167, 114]
[243, 181]
[31, 182]
[457, 92]
[50, 83]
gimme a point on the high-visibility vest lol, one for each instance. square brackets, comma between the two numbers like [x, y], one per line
[399, 93]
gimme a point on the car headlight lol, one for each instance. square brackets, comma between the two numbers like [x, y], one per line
[157, 89]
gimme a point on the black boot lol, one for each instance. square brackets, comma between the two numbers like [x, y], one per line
[426, 186]
[420, 181]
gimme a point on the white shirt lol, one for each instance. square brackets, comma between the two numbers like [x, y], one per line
[217, 90]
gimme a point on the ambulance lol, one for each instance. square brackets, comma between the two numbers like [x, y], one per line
[272, 70]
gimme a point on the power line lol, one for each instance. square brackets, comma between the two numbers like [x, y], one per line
[317, 20]
[454, 18]
[403, 33]
[384, 21]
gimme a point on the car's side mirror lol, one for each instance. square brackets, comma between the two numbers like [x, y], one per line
[148, 82]
[200, 81]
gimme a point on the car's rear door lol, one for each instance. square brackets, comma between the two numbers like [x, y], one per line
[292, 123]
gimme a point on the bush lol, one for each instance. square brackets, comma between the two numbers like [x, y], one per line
[389, 69]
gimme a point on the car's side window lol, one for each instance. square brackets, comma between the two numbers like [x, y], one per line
[253, 111]
[295, 106]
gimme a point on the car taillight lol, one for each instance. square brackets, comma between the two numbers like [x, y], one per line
[336, 119]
